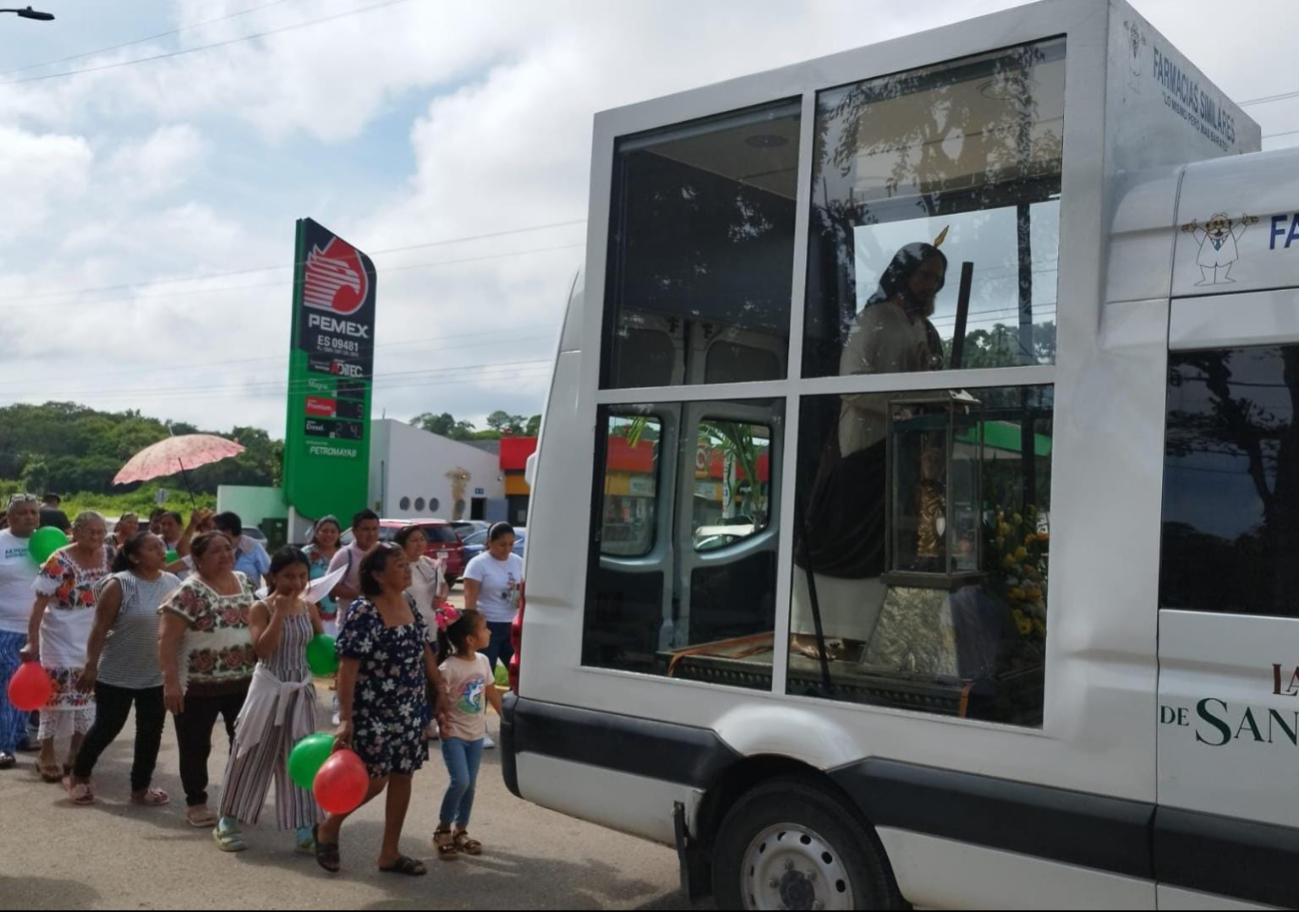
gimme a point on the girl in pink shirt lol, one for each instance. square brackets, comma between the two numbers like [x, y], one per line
[470, 687]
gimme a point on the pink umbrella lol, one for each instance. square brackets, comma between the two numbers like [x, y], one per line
[176, 454]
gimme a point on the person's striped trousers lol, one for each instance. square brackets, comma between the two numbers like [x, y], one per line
[248, 777]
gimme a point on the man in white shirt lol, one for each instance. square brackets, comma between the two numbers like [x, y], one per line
[365, 536]
[17, 572]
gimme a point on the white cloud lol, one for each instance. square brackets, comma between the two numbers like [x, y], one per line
[165, 160]
[37, 172]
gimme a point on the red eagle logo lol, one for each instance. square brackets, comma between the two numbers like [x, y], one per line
[336, 281]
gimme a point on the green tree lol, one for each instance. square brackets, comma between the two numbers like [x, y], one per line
[503, 422]
[35, 476]
[444, 425]
[534, 426]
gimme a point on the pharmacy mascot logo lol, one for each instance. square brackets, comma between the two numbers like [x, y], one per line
[1218, 246]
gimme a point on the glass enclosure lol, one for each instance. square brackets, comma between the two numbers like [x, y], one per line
[699, 566]
[950, 618]
[934, 234]
[701, 248]
[921, 516]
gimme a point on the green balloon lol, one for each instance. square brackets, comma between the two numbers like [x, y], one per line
[321, 657]
[45, 542]
[307, 757]
[172, 557]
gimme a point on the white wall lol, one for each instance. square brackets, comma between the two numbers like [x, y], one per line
[406, 462]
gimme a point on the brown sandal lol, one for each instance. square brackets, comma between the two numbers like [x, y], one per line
[445, 844]
[465, 845]
[50, 772]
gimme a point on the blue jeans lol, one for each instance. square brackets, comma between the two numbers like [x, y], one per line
[500, 648]
[13, 722]
[463, 759]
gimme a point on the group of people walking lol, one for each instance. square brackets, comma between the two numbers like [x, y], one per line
[117, 628]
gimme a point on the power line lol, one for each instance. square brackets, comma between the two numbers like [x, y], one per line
[283, 282]
[118, 47]
[238, 272]
[1267, 99]
[525, 373]
[499, 337]
[280, 387]
[1278, 135]
[207, 47]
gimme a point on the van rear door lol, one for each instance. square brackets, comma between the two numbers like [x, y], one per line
[1228, 818]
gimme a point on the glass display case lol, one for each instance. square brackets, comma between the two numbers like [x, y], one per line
[935, 462]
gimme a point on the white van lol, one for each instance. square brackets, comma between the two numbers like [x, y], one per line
[995, 332]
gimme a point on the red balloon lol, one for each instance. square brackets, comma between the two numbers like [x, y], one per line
[30, 688]
[342, 783]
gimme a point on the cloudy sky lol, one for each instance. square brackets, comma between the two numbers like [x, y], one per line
[148, 207]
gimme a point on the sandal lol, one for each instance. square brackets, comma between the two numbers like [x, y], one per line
[445, 844]
[203, 820]
[407, 867]
[229, 839]
[465, 845]
[50, 772]
[153, 797]
[327, 855]
[80, 793]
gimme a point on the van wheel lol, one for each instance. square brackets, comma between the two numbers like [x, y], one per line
[787, 844]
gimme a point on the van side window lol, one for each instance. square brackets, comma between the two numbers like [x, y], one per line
[701, 251]
[922, 551]
[688, 518]
[1231, 482]
[919, 175]
[630, 501]
[732, 497]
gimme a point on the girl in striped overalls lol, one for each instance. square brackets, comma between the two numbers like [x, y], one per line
[279, 712]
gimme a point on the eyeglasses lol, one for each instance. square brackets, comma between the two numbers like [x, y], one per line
[16, 499]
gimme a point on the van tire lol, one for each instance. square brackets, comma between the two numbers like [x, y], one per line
[800, 801]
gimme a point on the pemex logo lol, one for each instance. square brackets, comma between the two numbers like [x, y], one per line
[336, 281]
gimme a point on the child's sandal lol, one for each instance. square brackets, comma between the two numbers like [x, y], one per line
[445, 844]
[467, 846]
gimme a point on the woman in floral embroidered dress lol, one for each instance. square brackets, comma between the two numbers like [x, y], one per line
[207, 658]
[62, 618]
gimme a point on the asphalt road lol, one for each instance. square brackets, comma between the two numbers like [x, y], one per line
[115, 855]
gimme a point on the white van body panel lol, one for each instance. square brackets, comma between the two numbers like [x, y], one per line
[630, 804]
[1252, 318]
[1174, 899]
[940, 874]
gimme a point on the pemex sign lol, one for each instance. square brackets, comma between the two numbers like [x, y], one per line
[331, 370]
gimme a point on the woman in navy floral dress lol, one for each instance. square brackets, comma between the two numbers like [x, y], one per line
[385, 668]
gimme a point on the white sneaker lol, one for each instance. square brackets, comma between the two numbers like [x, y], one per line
[338, 720]
[488, 743]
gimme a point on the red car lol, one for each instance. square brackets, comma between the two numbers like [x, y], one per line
[443, 543]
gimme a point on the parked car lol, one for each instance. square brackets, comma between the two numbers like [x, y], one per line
[476, 544]
[443, 543]
[710, 538]
[467, 527]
